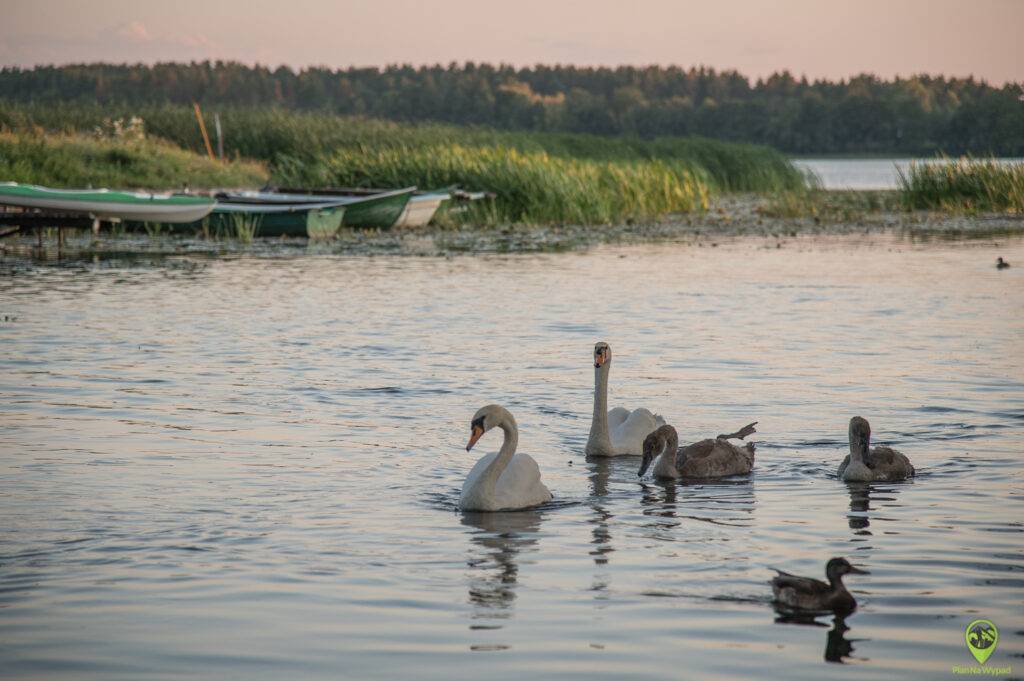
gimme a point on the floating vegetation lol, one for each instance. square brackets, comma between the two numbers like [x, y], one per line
[966, 184]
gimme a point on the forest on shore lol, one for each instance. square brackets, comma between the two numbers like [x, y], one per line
[865, 115]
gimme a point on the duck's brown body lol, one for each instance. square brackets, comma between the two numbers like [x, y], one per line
[813, 595]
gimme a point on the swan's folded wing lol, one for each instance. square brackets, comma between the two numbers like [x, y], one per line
[629, 436]
[520, 484]
[616, 417]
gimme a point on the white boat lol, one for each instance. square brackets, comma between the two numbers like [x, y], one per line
[421, 209]
[108, 205]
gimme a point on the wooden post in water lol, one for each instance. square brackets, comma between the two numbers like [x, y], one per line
[202, 129]
[220, 136]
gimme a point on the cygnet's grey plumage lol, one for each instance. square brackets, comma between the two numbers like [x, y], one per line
[710, 458]
[864, 464]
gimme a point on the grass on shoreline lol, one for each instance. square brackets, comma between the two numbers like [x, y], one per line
[80, 161]
[285, 138]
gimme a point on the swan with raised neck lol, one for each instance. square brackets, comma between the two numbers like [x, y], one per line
[618, 431]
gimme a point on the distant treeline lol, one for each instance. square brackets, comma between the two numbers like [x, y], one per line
[863, 115]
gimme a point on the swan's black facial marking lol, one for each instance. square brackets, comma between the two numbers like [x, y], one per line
[476, 431]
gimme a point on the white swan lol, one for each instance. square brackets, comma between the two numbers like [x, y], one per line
[619, 431]
[502, 481]
[864, 464]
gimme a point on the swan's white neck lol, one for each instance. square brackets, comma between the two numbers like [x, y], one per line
[600, 442]
[489, 478]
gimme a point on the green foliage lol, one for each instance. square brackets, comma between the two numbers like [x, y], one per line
[964, 184]
[80, 161]
[245, 227]
[921, 115]
[531, 186]
[297, 144]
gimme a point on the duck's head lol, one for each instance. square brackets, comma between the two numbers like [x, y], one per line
[837, 567]
[860, 435]
[602, 354]
[654, 444]
[484, 419]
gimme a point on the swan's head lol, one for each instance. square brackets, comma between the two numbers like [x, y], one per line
[654, 444]
[484, 419]
[602, 354]
[860, 435]
[837, 567]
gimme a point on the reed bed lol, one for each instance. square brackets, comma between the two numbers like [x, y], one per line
[967, 184]
[285, 138]
[75, 160]
[531, 187]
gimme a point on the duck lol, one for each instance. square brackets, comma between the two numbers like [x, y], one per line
[710, 458]
[619, 431]
[809, 594]
[505, 480]
[864, 464]
[1001, 264]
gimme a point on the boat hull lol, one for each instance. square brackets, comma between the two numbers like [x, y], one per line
[313, 222]
[421, 210]
[108, 205]
[379, 210]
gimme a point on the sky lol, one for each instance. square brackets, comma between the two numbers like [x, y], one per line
[817, 38]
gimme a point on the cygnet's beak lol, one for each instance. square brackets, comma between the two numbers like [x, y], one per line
[474, 436]
[648, 457]
[599, 359]
[857, 571]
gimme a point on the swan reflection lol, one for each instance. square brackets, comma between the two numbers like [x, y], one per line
[494, 560]
[861, 510]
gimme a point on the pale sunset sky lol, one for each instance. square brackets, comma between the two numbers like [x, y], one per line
[817, 38]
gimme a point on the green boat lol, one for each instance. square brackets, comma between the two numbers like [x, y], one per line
[107, 205]
[380, 210]
[314, 221]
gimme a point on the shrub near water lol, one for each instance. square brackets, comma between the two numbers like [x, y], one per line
[964, 184]
[79, 161]
[530, 186]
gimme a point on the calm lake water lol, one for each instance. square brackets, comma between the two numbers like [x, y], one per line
[248, 467]
[865, 173]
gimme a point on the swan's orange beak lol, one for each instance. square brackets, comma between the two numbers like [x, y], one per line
[600, 357]
[475, 435]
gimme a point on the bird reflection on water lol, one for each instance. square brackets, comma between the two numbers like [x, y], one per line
[838, 648]
[494, 562]
[861, 510]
